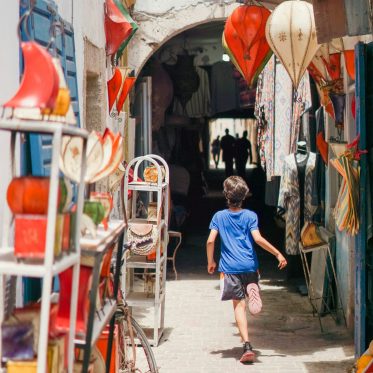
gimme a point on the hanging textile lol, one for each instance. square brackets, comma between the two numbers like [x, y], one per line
[199, 105]
[302, 103]
[283, 119]
[290, 199]
[346, 211]
[282, 111]
[264, 112]
[318, 184]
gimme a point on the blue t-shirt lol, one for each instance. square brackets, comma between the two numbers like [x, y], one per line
[237, 244]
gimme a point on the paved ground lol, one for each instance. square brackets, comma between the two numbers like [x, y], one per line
[201, 336]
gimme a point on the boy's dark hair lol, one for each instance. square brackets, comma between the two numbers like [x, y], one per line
[235, 190]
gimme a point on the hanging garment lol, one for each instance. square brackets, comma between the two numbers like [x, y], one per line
[290, 200]
[199, 105]
[264, 112]
[318, 184]
[302, 103]
[282, 110]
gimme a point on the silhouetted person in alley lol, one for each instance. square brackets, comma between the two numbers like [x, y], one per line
[215, 150]
[242, 154]
[227, 145]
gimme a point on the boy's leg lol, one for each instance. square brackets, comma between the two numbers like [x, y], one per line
[241, 318]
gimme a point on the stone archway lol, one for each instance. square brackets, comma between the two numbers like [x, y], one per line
[159, 23]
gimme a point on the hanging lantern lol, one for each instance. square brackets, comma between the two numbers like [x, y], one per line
[291, 33]
[185, 78]
[249, 22]
[249, 52]
[117, 28]
[331, 57]
[339, 102]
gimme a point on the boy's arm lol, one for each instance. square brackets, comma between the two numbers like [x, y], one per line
[263, 243]
[210, 247]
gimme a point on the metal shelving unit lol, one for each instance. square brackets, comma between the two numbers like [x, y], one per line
[50, 266]
[134, 298]
[93, 250]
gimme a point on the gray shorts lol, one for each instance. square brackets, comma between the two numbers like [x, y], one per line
[233, 286]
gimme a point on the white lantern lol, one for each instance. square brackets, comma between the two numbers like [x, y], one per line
[291, 33]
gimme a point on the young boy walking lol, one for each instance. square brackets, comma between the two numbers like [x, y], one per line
[238, 266]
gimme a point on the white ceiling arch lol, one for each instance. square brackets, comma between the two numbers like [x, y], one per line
[161, 20]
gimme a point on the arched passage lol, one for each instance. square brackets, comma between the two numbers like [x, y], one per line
[157, 29]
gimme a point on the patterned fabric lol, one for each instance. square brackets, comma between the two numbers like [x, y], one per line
[265, 100]
[289, 200]
[302, 103]
[282, 111]
[283, 119]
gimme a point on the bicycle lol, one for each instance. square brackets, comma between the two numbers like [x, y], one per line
[135, 354]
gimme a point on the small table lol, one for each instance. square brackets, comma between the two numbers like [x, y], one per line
[318, 297]
[178, 235]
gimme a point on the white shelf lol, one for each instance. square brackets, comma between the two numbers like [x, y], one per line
[146, 221]
[104, 238]
[9, 265]
[141, 299]
[99, 323]
[140, 261]
[146, 187]
[45, 127]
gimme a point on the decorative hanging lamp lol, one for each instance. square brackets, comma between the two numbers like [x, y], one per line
[291, 33]
[184, 77]
[117, 28]
[245, 42]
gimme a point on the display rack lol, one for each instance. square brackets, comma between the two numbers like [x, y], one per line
[94, 249]
[142, 299]
[323, 293]
[50, 266]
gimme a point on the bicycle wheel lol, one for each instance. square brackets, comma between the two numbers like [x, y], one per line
[135, 352]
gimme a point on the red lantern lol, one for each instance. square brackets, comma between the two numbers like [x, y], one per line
[249, 21]
[250, 51]
[117, 28]
[333, 65]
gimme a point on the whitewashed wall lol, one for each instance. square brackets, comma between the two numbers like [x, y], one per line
[9, 81]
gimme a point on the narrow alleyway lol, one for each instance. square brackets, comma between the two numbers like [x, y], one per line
[201, 336]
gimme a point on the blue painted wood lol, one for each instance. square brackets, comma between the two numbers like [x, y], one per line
[39, 23]
[361, 238]
[369, 137]
[37, 151]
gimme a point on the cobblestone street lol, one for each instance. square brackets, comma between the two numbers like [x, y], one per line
[201, 336]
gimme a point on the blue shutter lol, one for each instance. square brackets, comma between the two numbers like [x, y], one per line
[37, 151]
[42, 17]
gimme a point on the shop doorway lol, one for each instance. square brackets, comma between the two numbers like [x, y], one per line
[196, 94]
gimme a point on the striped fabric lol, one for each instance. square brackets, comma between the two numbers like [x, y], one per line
[346, 211]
